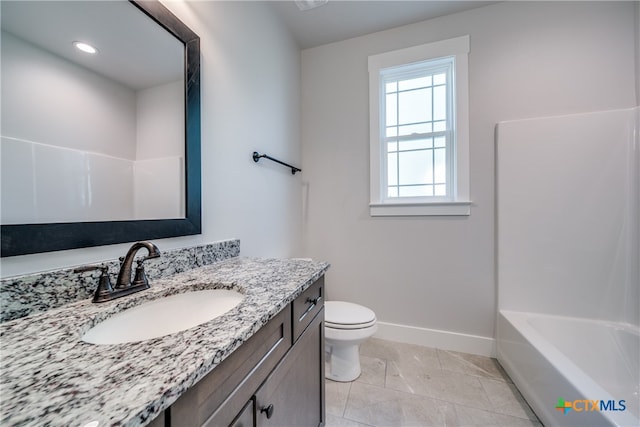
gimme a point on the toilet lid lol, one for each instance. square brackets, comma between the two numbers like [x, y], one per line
[347, 315]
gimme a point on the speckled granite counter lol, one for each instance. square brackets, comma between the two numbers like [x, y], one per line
[51, 377]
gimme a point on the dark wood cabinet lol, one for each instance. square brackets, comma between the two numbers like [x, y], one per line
[306, 307]
[293, 395]
[247, 417]
[276, 378]
[158, 421]
[218, 398]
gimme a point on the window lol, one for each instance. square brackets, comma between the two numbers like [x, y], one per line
[419, 130]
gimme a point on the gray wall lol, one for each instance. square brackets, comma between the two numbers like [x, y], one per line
[527, 59]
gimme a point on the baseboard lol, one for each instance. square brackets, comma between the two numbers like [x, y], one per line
[444, 340]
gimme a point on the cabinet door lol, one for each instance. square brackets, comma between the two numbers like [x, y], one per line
[293, 395]
[246, 418]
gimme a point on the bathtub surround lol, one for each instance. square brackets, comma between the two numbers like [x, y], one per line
[432, 280]
[568, 216]
[34, 192]
[29, 294]
[568, 281]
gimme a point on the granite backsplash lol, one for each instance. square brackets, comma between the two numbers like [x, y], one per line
[24, 295]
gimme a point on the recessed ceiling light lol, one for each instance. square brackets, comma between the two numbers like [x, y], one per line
[310, 4]
[87, 48]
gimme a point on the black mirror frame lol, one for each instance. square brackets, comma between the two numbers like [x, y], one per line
[23, 239]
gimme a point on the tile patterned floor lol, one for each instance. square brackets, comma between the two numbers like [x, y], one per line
[410, 385]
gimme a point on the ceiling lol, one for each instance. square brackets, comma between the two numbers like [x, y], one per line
[340, 19]
[139, 54]
[53, 25]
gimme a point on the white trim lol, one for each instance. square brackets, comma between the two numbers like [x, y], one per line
[461, 77]
[375, 156]
[434, 338]
[420, 209]
[460, 204]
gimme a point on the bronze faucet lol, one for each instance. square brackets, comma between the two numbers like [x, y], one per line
[140, 279]
[124, 285]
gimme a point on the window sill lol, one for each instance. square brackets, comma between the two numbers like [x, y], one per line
[421, 209]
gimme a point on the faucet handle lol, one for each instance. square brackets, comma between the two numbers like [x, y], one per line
[140, 276]
[104, 288]
[85, 268]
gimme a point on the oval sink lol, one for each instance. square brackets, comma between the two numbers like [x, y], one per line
[163, 316]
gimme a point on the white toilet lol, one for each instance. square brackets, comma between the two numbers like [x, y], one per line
[346, 325]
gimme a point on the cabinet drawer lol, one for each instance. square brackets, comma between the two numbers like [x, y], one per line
[306, 306]
[221, 395]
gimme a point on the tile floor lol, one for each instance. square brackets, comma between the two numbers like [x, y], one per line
[410, 385]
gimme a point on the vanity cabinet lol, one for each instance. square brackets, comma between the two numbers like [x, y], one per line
[276, 378]
[293, 395]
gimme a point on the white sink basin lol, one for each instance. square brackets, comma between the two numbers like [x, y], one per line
[163, 316]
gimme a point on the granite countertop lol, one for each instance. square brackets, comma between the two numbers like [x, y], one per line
[51, 377]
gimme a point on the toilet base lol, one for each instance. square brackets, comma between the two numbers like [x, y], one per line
[343, 363]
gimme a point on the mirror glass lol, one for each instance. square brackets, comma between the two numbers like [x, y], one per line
[97, 147]
[90, 136]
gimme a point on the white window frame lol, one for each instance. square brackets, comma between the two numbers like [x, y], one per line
[458, 203]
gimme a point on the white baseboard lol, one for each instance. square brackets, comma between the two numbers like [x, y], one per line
[444, 340]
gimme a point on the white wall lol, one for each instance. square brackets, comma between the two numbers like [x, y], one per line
[250, 101]
[527, 59]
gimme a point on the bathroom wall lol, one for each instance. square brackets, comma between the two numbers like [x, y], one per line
[250, 102]
[432, 280]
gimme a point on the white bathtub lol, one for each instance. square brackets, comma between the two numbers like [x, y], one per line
[552, 357]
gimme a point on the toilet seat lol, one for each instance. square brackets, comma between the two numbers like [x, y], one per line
[347, 315]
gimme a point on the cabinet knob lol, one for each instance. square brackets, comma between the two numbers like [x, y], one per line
[268, 410]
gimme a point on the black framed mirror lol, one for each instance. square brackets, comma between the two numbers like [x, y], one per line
[38, 237]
